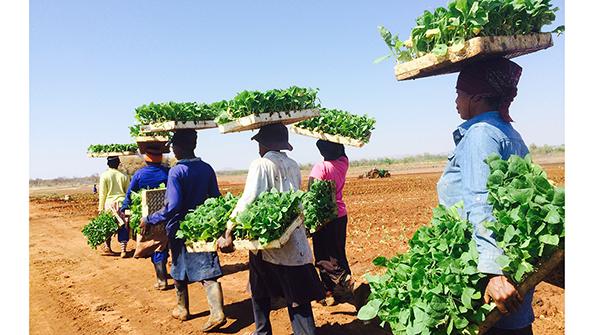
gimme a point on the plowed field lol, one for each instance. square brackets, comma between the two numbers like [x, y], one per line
[74, 289]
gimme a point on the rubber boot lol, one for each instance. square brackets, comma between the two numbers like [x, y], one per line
[181, 311]
[215, 300]
[161, 274]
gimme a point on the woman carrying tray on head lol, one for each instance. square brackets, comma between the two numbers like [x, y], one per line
[112, 189]
[150, 176]
[329, 241]
[190, 182]
[286, 272]
[485, 91]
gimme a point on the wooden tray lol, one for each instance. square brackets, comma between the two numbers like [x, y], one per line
[328, 137]
[144, 142]
[530, 282]
[475, 49]
[202, 246]
[276, 244]
[108, 154]
[152, 201]
[254, 121]
[176, 125]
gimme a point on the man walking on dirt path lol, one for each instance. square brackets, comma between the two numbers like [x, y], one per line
[190, 182]
[112, 189]
[148, 177]
[287, 272]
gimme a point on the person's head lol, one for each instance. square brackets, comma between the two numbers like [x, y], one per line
[330, 150]
[153, 154]
[272, 137]
[113, 162]
[183, 143]
[489, 85]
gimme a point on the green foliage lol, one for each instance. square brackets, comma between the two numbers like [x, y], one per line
[529, 212]
[176, 111]
[432, 288]
[267, 218]
[320, 206]
[104, 148]
[100, 228]
[208, 221]
[273, 101]
[135, 132]
[338, 122]
[417, 294]
[462, 20]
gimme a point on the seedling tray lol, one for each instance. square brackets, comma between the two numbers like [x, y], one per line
[328, 137]
[543, 270]
[275, 244]
[201, 246]
[177, 125]
[108, 154]
[475, 49]
[152, 201]
[144, 142]
[334, 199]
[255, 121]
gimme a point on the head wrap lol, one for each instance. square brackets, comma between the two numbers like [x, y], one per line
[273, 137]
[153, 154]
[185, 138]
[330, 150]
[492, 78]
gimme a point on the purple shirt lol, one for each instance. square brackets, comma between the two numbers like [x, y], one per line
[189, 183]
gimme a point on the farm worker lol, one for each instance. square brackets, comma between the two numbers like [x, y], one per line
[329, 241]
[112, 189]
[189, 183]
[485, 91]
[286, 272]
[150, 176]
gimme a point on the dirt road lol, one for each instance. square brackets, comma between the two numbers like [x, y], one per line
[74, 289]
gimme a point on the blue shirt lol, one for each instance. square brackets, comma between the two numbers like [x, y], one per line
[189, 183]
[465, 178]
[150, 176]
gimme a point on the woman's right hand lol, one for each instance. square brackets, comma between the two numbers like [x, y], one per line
[225, 242]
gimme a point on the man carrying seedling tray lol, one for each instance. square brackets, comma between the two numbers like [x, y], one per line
[150, 176]
[288, 271]
[485, 90]
[112, 188]
[189, 183]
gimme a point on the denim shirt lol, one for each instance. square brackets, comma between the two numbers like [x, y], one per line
[465, 178]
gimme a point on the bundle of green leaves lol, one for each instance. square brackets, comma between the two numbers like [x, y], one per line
[208, 221]
[105, 148]
[342, 123]
[319, 204]
[529, 226]
[432, 288]
[267, 218]
[136, 210]
[529, 212]
[100, 228]
[462, 20]
[273, 101]
[176, 111]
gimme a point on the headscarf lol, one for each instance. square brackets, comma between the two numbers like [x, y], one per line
[330, 150]
[153, 155]
[492, 78]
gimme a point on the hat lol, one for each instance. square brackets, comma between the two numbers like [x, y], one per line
[184, 137]
[273, 137]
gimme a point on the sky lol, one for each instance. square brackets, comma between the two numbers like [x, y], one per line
[91, 63]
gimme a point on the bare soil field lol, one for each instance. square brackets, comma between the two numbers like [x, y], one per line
[74, 289]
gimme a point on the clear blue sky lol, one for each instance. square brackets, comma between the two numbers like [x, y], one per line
[93, 62]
